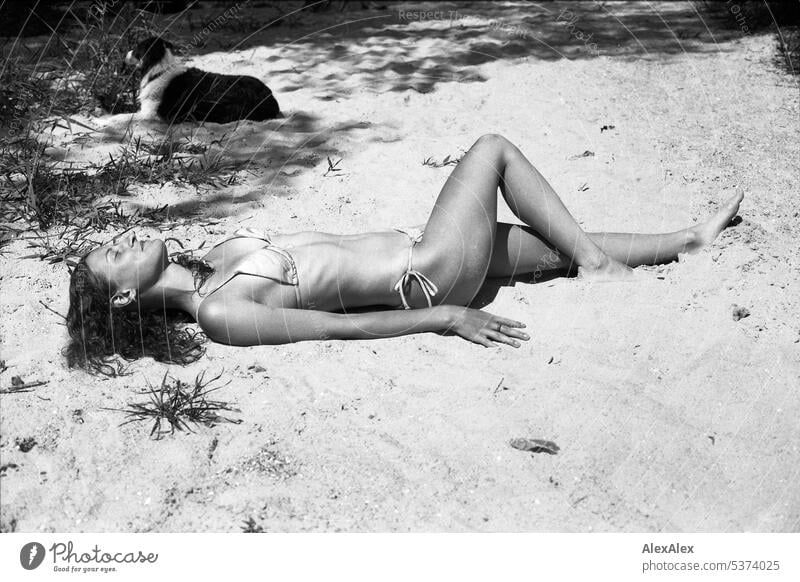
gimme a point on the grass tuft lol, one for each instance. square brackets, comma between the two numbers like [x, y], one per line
[177, 404]
[447, 161]
[62, 207]
[251, 526]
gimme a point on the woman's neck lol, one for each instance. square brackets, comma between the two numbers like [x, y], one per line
[174, 290]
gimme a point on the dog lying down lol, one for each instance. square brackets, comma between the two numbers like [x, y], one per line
[175, 93]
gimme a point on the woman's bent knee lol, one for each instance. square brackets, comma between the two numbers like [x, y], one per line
[494, 139]
[492, 146]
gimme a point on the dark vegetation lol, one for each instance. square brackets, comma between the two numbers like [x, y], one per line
[173, 405]
[252, 526]
[755, 16]
[79, 68]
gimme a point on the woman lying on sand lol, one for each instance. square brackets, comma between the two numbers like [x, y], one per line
[257, 289]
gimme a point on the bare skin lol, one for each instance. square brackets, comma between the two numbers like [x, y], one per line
[462, 245]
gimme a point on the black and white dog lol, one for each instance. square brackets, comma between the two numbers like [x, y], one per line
[176, 93]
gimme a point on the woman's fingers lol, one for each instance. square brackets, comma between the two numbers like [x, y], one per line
[484, 341]
[508, 322]
[511, 329]
[502, 338]
[513, 332]
[489, 330]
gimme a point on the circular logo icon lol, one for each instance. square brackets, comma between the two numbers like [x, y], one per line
[31, 555]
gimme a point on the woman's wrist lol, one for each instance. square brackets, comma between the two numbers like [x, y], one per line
[449, 315]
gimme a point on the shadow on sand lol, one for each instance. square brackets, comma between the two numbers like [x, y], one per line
[401, 47]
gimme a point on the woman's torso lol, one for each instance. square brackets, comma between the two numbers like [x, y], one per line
[334, 272]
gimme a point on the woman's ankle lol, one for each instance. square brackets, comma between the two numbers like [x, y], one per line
[596, 262]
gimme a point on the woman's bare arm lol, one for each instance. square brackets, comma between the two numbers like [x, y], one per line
[246, 323]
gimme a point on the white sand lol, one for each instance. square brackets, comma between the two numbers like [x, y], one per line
[670, 415]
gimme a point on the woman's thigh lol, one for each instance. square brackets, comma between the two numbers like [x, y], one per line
[457, 246]
[520, 249]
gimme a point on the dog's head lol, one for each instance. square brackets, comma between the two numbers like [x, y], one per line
[149, 53]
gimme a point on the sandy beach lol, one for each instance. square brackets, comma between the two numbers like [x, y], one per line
[671, 412]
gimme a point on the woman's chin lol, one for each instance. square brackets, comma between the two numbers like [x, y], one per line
[155, 254]
[156, 248]
[152, 263]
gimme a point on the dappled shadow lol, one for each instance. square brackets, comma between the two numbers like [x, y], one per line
[417, 46]
[267, 154]
[283, 143]
[327, 56]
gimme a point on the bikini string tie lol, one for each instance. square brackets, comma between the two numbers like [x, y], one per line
[428, 287]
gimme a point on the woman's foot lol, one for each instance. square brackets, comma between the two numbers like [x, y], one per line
[704, 234]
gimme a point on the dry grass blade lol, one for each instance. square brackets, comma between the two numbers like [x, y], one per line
[20, 387]
[535, 445]
[46, 306]
[332, 166]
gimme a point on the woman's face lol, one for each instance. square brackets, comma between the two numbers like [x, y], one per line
[128, 263]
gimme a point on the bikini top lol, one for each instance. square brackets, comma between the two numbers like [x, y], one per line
[269, 262]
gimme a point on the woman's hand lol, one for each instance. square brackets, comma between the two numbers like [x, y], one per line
[486, 329]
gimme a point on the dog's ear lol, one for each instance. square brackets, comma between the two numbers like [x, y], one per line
[142, 47]
[149, 52]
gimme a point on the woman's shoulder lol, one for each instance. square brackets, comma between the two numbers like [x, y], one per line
[213, 316]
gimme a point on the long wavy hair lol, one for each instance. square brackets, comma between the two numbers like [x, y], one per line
[103, 338]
